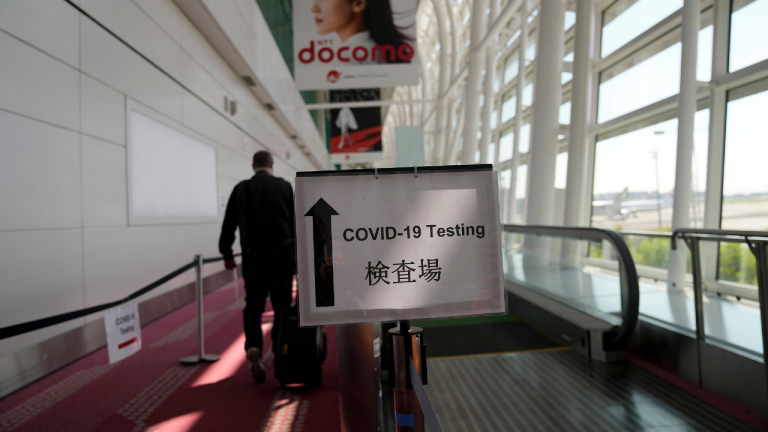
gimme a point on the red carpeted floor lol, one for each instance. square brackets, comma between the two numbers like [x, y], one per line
[150, 391]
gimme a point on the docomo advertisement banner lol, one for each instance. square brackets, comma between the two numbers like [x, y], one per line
[400, 246]
[350, 44]
[123, 331]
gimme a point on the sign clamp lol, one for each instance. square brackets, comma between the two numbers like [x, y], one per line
[397, 170]
[415, 172]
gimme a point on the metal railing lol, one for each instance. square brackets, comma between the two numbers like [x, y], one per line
[757, 242]
[197, 264]
[616, 339]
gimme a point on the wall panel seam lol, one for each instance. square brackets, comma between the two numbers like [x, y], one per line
[175, 80]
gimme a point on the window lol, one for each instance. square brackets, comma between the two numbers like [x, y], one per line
[704, 54]
[511, 67]
[561, 168]
[749, 33]
[649, 76]
[506, 143]
[494, 119]
[528, 93]
[570, 19]
[565, 113]
[627, 19]
[530, 52]
[520, 189]
[635, 174]
[505, 181]
[533, 15]
[508, 106]
[514, 37]
[745, 184]
[525, 138]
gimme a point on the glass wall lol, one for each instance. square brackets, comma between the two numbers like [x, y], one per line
[506, 144]
[628, 19]
[749, 33]
[650, 75]
[505, 181]
[520, 192]
[634, 176]
[745, 182]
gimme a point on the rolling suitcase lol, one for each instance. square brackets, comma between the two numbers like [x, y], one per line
[300, 352]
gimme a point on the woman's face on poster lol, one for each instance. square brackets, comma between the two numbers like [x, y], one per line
[332, 15]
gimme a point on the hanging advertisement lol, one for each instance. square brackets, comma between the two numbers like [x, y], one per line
[355, 132]
[351, 44]
[398, 243]
[409, 142]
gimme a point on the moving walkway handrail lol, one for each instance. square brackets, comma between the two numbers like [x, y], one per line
[630, 290]
[29, 326]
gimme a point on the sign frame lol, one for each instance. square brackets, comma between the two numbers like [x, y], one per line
[322, 214]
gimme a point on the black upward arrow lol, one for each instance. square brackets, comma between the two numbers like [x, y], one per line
[322, 235]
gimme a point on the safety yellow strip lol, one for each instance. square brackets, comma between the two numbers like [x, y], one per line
[561, 348]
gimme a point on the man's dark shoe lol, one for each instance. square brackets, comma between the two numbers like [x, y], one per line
[258, 372]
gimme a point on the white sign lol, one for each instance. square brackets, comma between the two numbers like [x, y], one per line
[123, 331]
[398, 246]
[349, 45]
[376, 347]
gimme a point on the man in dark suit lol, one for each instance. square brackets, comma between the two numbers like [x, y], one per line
[262, 207]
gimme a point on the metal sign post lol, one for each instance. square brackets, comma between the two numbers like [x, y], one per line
[407, 342]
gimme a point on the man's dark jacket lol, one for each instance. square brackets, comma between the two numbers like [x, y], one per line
[265, 215]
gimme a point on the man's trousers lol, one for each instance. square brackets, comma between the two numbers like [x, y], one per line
[259, 283]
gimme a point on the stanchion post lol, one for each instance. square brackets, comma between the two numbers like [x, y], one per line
[201, 356]
[407, 343]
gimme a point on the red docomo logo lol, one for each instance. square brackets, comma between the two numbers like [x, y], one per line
[346, 54]
[333, 76]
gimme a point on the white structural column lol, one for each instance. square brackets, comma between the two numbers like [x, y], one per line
[716, 152]
[490, 77]
[472, 86]
[445, 157]
[545, 124]
[512, 193]
[576, 193]
[681, 210]
[444, 80]
[452, 148]
[448, 135]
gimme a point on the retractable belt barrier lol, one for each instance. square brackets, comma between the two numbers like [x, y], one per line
[17, 329]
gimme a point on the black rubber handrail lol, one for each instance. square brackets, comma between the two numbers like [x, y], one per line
[17, 329]
[616, 339]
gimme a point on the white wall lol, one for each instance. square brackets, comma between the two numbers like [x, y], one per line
[65, 82]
